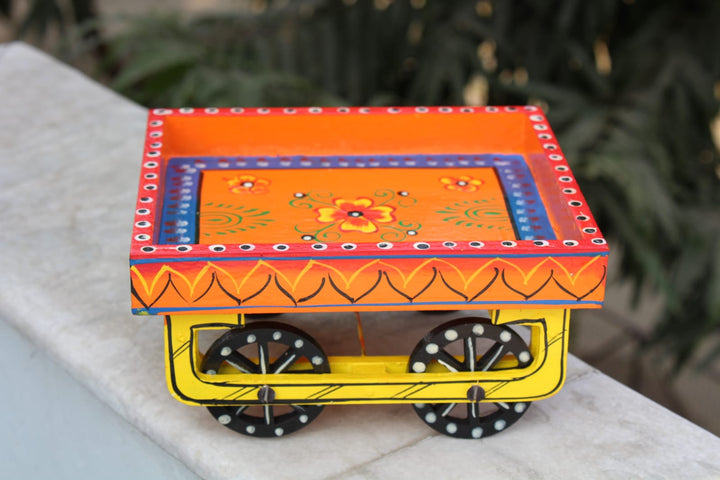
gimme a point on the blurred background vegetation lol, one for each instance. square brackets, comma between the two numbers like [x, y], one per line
[631, 88]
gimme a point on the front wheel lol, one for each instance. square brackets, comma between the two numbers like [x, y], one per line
[470, 345]
[265, 348]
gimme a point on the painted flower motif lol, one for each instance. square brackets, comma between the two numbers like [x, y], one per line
[357, 215]
[463, 183]
[247, 184]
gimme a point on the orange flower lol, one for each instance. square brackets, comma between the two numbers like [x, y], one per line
[463, 183]
[247, 184]
[356, 215]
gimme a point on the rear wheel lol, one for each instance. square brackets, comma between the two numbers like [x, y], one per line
[471, 345]
[265, 348]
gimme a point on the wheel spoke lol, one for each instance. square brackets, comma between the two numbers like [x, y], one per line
[263, 360]
[491, 357]
[241, 362]
[448, 409]
[241, 409]
[284, 361]
[449, 362]
[472, 409]
[268, 414]
[469, 350]
[502, 405]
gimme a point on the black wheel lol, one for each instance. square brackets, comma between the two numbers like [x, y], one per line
[470, 345]
[266, 348]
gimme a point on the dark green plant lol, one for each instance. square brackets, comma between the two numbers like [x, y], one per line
[43, 15]
[630, 87]
[639, 139]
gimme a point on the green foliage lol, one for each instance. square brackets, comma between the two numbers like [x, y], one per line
[5, 8]
[630, 88]
[43, 15]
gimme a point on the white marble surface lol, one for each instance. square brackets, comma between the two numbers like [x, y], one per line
[56, 429]
[69, 159]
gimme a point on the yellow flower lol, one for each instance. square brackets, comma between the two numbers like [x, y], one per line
[247, 184]
[463, 183]
[357, 215]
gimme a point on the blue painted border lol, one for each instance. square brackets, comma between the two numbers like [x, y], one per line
[419, 305]
[450, 254]
[182, 183]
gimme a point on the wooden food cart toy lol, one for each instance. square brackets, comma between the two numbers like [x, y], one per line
[275, 211]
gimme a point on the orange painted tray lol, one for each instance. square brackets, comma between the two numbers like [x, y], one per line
[274, 210]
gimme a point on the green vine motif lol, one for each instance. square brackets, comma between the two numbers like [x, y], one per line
[404, 200]
[224, 219]
[487, 213]
[310, 200]
[393, 234]
[386, 196]
[324, 235]
[365, 215]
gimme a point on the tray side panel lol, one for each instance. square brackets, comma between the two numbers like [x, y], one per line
[401, 283]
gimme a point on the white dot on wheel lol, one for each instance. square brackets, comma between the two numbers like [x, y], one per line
[224, 419]
[225, 351]
[279, 431]
[524, 357]
[317, 360]
[251, 338]
[478, 330]
[476, 432]
[250, 429]
[500, 424]
[520, 407]
[211, 372]
[451, 335]
[430, 417]
[451, 428]
[303, 418]
[277, 336]
[432, 348]
[505, 336]
[419, 405]
[418, 367]
[299, 343]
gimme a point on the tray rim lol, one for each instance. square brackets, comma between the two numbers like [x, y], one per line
[144, 249]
